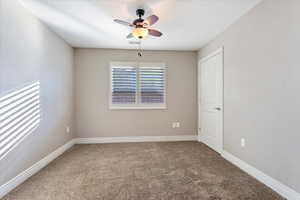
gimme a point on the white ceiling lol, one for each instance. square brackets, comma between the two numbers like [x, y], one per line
[186, 24]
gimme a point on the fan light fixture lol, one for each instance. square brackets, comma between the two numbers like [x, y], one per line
[140, 32]
[141, 27]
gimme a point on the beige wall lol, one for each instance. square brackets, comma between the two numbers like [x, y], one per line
[93, 117]
[262, 84]
[30, 52]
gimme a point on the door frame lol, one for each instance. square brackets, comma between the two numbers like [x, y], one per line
[200, 61]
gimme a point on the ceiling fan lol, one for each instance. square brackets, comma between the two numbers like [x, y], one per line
[141, 26]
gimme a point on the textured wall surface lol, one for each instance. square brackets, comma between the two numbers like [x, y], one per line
[29, 52]
[93, 117]
[262, 100]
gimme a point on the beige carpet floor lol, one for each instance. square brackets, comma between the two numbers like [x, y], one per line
[141, 171]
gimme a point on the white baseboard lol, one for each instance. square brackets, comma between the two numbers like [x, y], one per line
[135, 139]
[199, 138]
[10, 185]
[277, 186]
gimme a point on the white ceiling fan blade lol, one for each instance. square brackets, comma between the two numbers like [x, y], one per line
[129, 36]
[122, 22]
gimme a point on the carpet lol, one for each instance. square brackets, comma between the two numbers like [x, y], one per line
[141, 171]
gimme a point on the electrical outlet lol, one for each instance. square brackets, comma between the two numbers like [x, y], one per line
[174, 125]
[68, 129]
[243, 142]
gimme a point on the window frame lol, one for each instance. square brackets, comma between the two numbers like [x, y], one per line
[138, 105]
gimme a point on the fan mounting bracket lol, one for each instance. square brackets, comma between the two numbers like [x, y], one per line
[140, 12]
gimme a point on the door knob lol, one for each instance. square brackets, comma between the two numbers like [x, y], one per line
[217, 108]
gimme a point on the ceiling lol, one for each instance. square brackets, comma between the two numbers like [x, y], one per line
[185, 24]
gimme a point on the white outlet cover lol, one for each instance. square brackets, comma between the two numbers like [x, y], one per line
[243, 142]
[174, 125]
[67, 129]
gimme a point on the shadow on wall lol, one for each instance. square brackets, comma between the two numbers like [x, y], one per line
[20, 115]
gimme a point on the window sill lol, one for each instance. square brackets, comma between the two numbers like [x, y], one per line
[137, 108]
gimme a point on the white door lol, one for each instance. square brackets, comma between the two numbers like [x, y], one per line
[210, 100]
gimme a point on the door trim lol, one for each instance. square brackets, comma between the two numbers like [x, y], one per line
[202, 60]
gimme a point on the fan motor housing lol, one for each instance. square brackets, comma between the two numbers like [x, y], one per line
[138, 22]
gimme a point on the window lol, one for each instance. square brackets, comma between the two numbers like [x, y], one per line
[137, 85]
[19, 116]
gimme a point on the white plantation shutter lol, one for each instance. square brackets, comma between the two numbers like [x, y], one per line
[152, 85]
[138, 85]
[123, 85]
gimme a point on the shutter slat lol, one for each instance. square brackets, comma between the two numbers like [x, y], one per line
[152, 85]
[123, 85]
